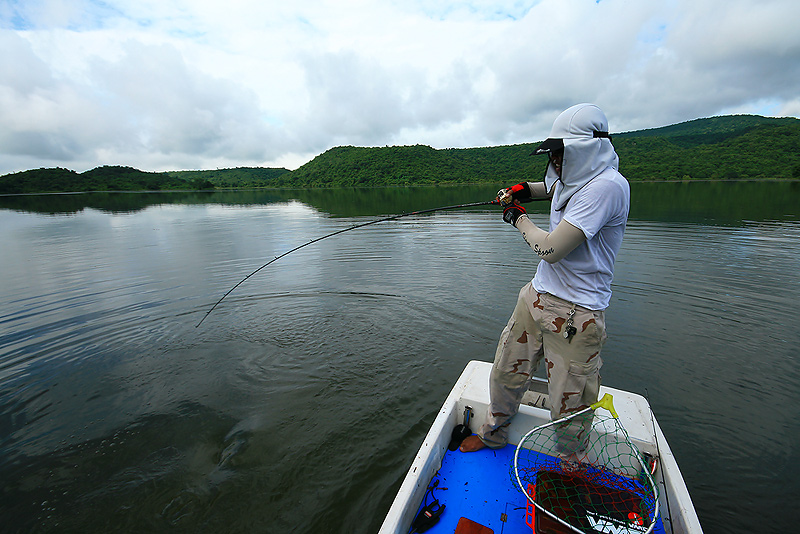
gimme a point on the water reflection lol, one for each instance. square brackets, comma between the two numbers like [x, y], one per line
[713, 202]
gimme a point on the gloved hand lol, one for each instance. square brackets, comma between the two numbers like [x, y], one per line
[520, 192]
[512, 213]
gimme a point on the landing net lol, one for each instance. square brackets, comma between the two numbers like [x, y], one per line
[582, 474]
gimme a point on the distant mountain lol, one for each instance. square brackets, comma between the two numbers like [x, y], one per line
[116, 178]
[732, 147]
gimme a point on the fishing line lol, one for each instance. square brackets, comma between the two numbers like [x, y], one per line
[337, 232]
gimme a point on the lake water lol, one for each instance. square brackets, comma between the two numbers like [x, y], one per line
[299, 403]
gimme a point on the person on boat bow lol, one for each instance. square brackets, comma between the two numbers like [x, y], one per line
[560, 314]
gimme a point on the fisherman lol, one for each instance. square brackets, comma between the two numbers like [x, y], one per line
[560, 314]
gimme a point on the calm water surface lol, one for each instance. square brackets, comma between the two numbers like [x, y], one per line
[299, 403]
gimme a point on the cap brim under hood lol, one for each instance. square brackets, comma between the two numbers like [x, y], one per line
[549, 146]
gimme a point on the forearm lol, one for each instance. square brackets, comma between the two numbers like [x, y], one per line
[550, 246]
[538, 190]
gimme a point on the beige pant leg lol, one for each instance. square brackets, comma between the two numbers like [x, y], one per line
[516, 358]
[573, 368]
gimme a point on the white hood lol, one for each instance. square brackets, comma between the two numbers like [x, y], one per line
[583, 129]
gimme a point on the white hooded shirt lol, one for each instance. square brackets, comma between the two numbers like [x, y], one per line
[594, 197]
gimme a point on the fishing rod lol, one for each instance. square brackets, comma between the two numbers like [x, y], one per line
[337, 232]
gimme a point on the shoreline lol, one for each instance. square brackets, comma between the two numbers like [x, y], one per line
[443, 184]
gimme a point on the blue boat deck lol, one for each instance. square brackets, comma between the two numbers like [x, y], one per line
[480, 487]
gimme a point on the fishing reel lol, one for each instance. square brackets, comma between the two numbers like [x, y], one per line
[518, 193]
[504, 197]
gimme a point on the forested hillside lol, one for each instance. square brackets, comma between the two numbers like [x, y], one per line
[412, 165]
[736, 147]
[731, 147]
[116, 178]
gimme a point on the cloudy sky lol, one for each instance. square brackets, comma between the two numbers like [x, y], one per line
[202, 84]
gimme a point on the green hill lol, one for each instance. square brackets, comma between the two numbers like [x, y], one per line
[116, 178]
[730, 147]
[741, 147]
[412, 165]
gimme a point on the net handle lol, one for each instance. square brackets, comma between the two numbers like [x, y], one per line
[607, 402]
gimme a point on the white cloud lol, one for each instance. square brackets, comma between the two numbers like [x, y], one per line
[203, 84]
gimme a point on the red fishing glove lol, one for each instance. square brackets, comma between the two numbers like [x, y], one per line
[521, 191]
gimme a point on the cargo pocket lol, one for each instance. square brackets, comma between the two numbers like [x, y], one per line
[582, 385]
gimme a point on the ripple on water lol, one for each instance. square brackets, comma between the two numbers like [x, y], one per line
[301, 400]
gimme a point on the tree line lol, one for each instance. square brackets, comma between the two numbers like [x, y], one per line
[734, 147]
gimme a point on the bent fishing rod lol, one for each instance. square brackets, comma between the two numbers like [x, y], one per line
[337, 232]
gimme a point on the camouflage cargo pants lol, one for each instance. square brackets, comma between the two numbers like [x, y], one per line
[536, 331]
